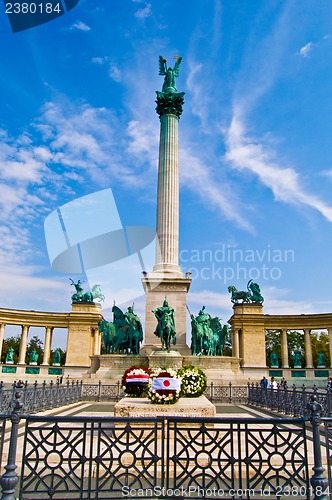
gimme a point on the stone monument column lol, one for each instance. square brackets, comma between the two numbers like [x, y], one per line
[308, 348]
[284, 349]
[47, 345]
[166, 278]
[23, 345]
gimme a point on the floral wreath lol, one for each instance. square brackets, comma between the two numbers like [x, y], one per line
[135, 381]
[167, 378]
[194, 382]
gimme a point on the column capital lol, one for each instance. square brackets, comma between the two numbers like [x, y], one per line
[169, 103]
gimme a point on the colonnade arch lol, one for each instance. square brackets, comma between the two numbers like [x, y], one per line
[249, 325]
[307, 333]
[82, 320]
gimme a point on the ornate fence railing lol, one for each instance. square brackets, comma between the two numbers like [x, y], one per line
[40, 397]
[293, 401]
[102, 392]
[113, 458]
[216, 393]
[227, 393]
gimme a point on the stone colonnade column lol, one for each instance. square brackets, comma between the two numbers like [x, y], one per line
[47, 345]
[284, 349]
[329, 331]
[96, 342]
[308, 349]
[2, 333]
[235, 346]
[23, 345]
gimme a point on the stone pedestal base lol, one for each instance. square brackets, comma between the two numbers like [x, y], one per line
[248, 327]
[162, 359]
[82, 329]
[220, 370]
[185, 407]
[175, 289]
[113, 366]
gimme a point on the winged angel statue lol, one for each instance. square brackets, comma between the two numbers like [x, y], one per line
[169, 73]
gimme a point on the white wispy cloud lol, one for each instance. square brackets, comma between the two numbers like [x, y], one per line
[80, 26]
[248, 153]
[217, 197]
[200, 102]
[115, 73]
[306, 49]
[211, 299]
[98, 60]
[144, 12]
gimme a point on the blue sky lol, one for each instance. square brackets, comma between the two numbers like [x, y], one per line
[77, 117]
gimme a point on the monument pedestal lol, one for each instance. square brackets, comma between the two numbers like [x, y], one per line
[175, 289]
[107, 367]
[185, 407]
[83, 333]
[248, 332]
[163, 359]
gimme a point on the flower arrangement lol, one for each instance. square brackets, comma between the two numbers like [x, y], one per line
[164, 386]
[194, 382]
[135, 381]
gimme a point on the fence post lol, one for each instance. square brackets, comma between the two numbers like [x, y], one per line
[80, 396]
[230, 392]
[329, 400]
[99, 391]
[35, 385]
[318, 481]
[9, 480]
[1, 397]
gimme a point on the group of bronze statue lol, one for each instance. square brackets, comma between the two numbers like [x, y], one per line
[208, 335]
[125, 334]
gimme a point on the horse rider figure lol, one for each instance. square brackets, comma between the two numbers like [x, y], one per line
[79, 290]
[135, 330]
[203, 322]
[161, 313]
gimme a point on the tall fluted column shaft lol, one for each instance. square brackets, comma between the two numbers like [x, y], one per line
[167, 255]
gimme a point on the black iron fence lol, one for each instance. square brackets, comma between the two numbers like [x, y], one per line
[40, 397]
[216, 393]
[102, 392]
[115, 458]
[293, 401]
[43, 396]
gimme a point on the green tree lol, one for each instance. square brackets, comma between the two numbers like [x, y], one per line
[62, 355]
[272, 344]
[13, 342]
[227, 349]
[37, 344]
[320, 343]
[295, 340]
